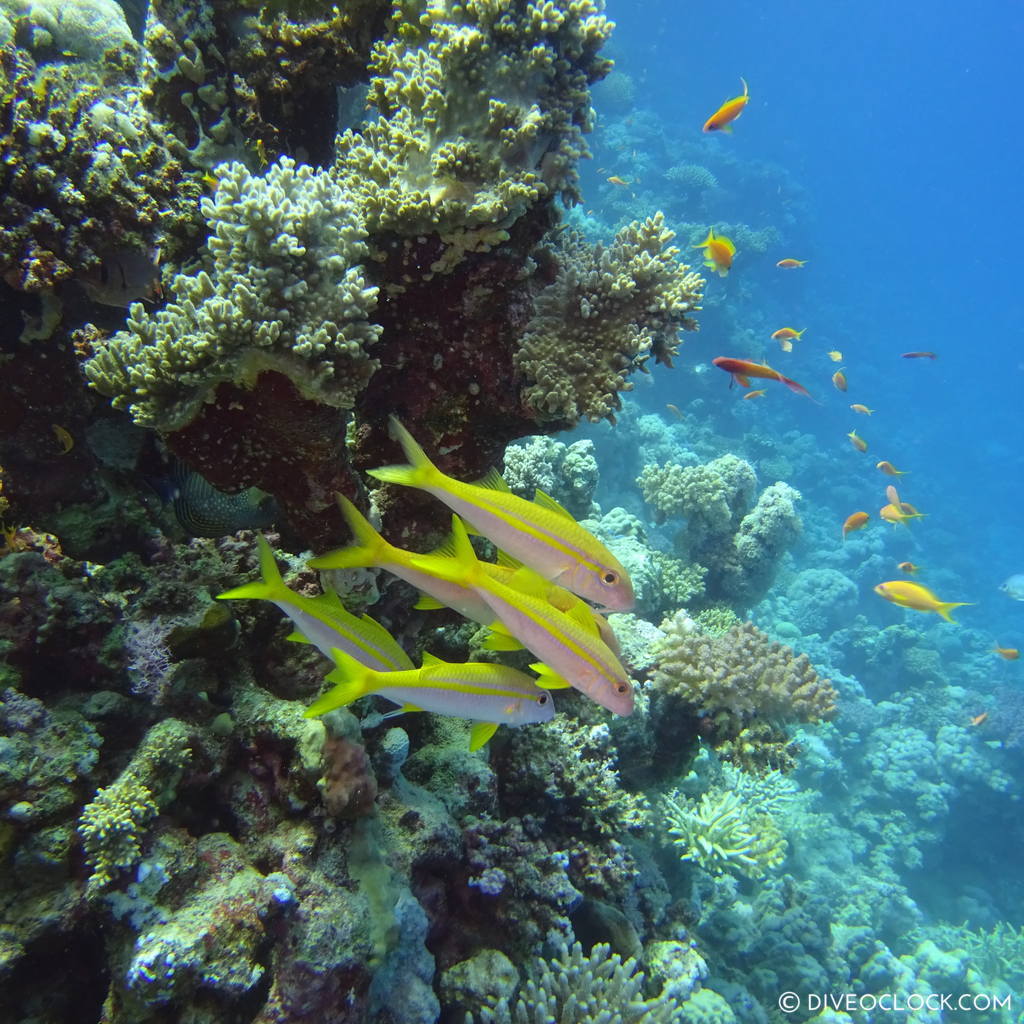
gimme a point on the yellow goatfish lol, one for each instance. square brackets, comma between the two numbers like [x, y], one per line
[487, 694]
[565, 641]
[371, 550]
[323, 621]
[917, 597]
[539, 533]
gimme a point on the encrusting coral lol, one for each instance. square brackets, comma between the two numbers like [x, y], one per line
[739, 676]
[283, 291]
[605, 314]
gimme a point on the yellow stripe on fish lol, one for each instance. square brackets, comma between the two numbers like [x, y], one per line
[540, 534]
[566, 641]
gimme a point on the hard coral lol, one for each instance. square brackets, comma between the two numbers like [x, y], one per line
[739, 676]
[606, 312]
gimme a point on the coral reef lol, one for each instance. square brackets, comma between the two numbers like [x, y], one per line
[566, 472]
[604, 315]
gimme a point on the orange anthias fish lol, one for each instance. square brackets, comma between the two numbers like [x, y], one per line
[862, 409]
[897, 514]
[790, 264]
[858, 442]
[889, 469]
[919, 355]
[675, 410]
[916, 597]
[893, 495]
[839, 380]
[788, 334]
[855, 522]
[64, 438]
[742, 370]
[759, 393]
[836, 356]
[1009, 653]
[616, 180]
[721, 120]
[718, 252]
[908, 567]
[977, 720]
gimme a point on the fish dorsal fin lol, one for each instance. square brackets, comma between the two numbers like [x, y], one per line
[546, 501]
[492, 480]
[431, 660]
[298, 638]
[507, 561]
[426, 603]
[526, 581]
[480, 734]
[548, 678]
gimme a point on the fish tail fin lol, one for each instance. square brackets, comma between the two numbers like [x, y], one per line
[707, 241]
[351, 679]
[746, 91]
[946, 607]
[270, 587]
[369, 547]
[794, 386]
[461, 566]
[420, 471]
[800, 334]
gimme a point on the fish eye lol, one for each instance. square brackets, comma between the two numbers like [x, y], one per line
[610, 577]
[542, 699]
[622, 688]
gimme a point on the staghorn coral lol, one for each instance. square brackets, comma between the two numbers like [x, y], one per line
[739, 676]
[724, 834]
[607, 311]
[282, 291]
[483, 106]
[113, 824]
[599, 988]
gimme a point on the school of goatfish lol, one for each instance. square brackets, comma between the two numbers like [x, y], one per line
[534, 597]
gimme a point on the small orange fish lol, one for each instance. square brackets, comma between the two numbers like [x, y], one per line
[855, 522]
[616, 180]
[1009, 653]
[721, 120]
[741, 370]
[862, 409]
[908, 567]
[893, 495]
[839, 379]
[979, 719]
[896, 514]
[790, 264]
[211, 181]
[836, 356]
[889, 469]
[674, 409]
[788, 334]
[858, 442]
[919, 355]
[759, 393]
[64, 438]
[718, 252]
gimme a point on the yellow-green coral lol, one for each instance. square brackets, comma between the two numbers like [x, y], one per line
[739, 676]
[724, 834]
[483, 106]
[112, 826]
[606, 313]
[282, 291]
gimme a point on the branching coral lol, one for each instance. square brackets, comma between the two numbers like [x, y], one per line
[599, 988]
[283, 292]
[112, 826]
[724, 834]
[739, 676]
[483, 105]
[607, 311]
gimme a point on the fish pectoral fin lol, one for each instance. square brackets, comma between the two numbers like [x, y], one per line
[548, 678]
[426, 603]
[546, 501]
[480, 734]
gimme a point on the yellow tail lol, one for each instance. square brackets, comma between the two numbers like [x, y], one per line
[946, 606]
[270, 588]
[420, 472]
[353, 681]
[462, 567]
[369, 549]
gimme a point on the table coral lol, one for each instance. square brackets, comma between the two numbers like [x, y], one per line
[483, 106]
[608, 310]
